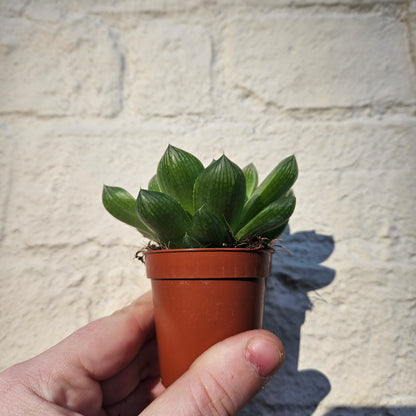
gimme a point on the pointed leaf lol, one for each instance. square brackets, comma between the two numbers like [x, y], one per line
[221, 189]
[208, 229]
[190, 242]
[153, 185]
[121, 205]
[274, 233]
[276, 184]
[252, 179]
[269, 219]
[176, 174]
[163, 215]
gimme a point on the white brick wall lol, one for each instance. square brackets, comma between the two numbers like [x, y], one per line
[70, 68]
[92, 93]
[301, 60]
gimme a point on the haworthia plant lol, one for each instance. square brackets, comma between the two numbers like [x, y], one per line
[209, 229]
[221, 205]
[176, 175]
[276, 184]
[164, 216]
[221, 189]
[270, 218]
[121, 205]
[153, 184]
[252, 179]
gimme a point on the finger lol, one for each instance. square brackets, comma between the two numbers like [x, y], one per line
[145, 393]
[144, 366]
[224, 378]
[106, 346]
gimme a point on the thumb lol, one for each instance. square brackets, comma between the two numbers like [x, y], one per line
[223, 379]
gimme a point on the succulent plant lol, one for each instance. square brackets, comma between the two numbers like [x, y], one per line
[222, 205]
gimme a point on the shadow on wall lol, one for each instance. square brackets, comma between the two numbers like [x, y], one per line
[293, 392]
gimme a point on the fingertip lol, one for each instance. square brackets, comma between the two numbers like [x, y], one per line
[225, 377]
[265, 353]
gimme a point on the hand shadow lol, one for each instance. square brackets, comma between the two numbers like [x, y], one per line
[293, 392]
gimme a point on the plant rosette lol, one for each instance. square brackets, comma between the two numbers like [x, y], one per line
[211, 230]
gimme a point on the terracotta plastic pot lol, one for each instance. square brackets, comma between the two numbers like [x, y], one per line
[202, 296]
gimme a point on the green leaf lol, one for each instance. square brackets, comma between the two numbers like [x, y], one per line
[275, 232]
[153, 185]
[164, 216]
[121, 205]
[176, 174]
[269, 219]
[208, 229]
[252, 179]
[190, 242]
[221, 189]
[276, 184]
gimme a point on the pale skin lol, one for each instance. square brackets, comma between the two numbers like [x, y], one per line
[110, 368]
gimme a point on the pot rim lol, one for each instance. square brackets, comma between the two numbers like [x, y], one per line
[206, 249]
[207, 263]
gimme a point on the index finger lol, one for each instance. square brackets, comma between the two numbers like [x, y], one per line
[107, 345]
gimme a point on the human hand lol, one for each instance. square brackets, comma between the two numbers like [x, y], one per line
[110, 367]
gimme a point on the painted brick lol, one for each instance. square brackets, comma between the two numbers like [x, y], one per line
[72, 68]
[7, 147]
[93, 92]
[128, 6]
[55, 10]
[299, 60]
[169, 69]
